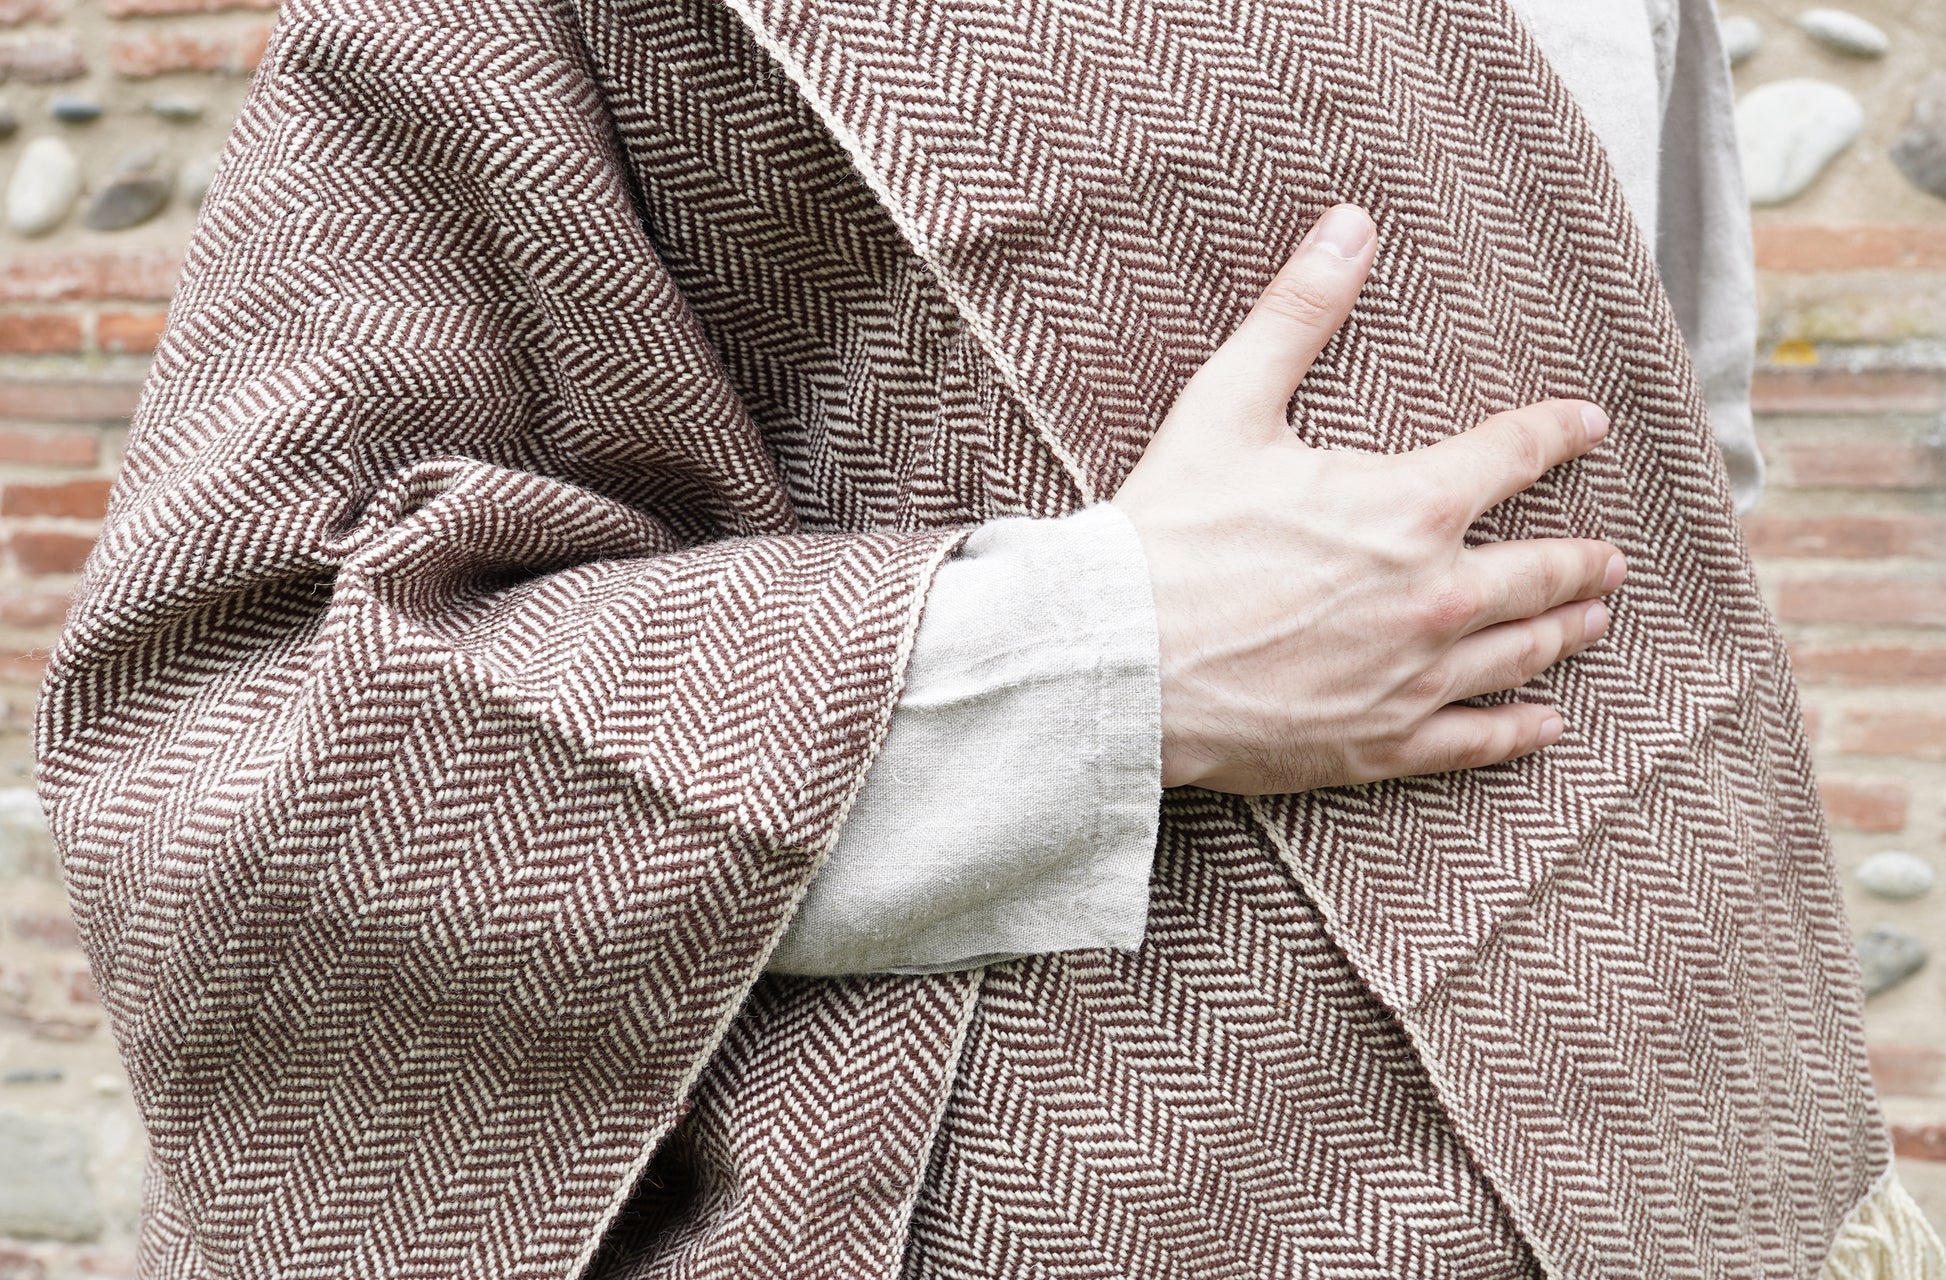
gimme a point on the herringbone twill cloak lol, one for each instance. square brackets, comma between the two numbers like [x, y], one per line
[522, 533]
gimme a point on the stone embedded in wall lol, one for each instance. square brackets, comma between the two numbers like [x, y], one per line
[32, 1076]
[73, 109]
[135, 190]
[1895, 874]
[1845, 32]
[45, 1191]
[1742, 37]
[1919, 152]
[1887, 956]
[45, 184]
[176, 107]
[1788, 131]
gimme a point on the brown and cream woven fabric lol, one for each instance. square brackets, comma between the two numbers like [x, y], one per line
[522, 533]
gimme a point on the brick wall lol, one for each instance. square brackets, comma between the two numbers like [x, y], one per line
[1850, 538]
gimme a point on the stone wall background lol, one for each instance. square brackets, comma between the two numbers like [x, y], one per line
[1850, 538]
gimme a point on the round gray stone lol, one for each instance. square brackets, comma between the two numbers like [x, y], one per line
[1845, 32]
[45, 1191]
[1888, 955]
[45, 184]
[177, 107]
[1895, 874]
[33, 1075]
[136, 189]
[1788, 131]
[1742, 37]
[1919, 152]
[69, 109]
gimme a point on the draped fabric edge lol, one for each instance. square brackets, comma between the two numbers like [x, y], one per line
[1885, 1235]
[904, 565]
[990, 345]
[901, 659]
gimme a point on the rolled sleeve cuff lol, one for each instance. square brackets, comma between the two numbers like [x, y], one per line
[1014, 804]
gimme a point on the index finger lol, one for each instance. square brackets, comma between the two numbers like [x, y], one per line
[1510, 451]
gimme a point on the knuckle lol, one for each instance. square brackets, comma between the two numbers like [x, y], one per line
[1389, 755]
[1299, 299]
[1471, 748]
[1526, 451]
[1448, 610]
[1538, 651]
[1432, 686]
[1442, 509]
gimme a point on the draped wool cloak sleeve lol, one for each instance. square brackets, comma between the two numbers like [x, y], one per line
[454, 707]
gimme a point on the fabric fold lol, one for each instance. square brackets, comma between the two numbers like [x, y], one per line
[454, 707]
[1013, 807]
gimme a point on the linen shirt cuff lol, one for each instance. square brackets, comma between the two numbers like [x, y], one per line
[1014, 804]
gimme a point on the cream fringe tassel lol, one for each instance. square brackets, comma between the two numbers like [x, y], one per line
[1886, 1238]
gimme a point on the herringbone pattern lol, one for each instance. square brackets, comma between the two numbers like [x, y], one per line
[536, 486]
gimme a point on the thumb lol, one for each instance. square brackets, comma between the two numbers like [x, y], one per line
[1259, 366]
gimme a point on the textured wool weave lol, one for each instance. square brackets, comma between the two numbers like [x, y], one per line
[522, 532]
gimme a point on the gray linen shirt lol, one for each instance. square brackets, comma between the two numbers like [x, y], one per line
[1013, 806]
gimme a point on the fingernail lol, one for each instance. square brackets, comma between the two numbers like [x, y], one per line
[1596, 420]
[1344, 230]
[1551, 731]
[1595, 626]
[1617, 570]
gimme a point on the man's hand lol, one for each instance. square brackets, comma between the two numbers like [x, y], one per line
[1319, 611]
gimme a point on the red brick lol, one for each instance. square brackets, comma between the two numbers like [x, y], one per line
[145, 8]
[65, 1030]
[17, 982]
[1919, 1141]
[15, 12]
[228, 51]
[135, 275]
[1867, 664]
[39, 333]
[1825, 391]
[1921, 734]
[17, 1264]
[1861, 465]
[78, 983]
[47, 928]
[1909, 1070]
[41, 58]
[33, 610]
[1852, 537]
[69, 400]
[49, 551]
[78, 499]
[1902, 601]
[53, 448]
[117, 1266]
[23, 668]
[1862, 804]
[1850, 248]
[117, 332]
